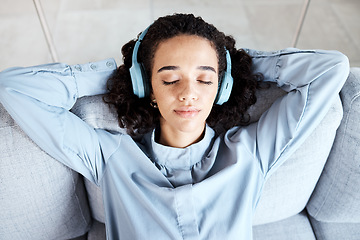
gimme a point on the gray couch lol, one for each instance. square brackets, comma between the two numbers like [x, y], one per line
[314, 195]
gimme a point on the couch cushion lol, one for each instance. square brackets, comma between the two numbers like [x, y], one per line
[95, 201]
[39, 197]
[97, 231]
[94, 111]
[296, 227]
[337, 196]
[335, 231]
[288, 190]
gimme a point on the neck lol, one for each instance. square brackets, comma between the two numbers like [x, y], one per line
[179, 139]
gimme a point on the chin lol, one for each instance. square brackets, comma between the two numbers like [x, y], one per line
[191, 127]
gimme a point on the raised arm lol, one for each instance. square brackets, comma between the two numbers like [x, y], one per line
[39, 99]
[312, 79]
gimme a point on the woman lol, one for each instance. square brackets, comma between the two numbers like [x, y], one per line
[173, 176]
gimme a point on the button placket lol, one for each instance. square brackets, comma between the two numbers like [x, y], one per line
[186, 212]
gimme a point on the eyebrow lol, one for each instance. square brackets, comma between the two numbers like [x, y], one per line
[207, 68]
[173, 68]
[168, 68]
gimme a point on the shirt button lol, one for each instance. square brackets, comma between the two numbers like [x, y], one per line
[93, 66]
[109, 64]
[77, 67]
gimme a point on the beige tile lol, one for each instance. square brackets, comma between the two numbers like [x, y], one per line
[71, 5]
[15, 7]
[86, 30]
[92, 30]
[89, 36]
[273, 26]
[55, 8]
[273, 2]
[22, 42]
[330, 25]
[257, 24]
[348, 13]
[229, 20]
[51, 10]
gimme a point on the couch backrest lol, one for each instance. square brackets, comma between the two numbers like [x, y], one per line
[337, 195]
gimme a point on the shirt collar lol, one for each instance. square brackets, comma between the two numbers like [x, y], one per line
[181, 158]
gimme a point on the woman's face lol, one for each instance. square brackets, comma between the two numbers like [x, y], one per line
[185, 82]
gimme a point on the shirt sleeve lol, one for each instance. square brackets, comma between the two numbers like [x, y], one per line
[312, 79]
[39, 99]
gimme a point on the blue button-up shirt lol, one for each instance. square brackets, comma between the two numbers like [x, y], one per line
[208, 190]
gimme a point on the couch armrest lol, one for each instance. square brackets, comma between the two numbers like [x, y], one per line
[337, 197]
[39, 197]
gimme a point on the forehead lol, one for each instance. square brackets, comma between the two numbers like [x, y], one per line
[185, 48]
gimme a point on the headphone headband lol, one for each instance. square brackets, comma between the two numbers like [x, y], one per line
[137, 72]
[137, 45]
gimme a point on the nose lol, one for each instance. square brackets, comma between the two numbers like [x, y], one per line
[188, 92]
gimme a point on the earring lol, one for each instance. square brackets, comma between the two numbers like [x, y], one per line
[153, 103]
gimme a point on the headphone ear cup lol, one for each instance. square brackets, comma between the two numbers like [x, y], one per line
[146, 81]
[226, 84]
[225, 88]
[138, 80]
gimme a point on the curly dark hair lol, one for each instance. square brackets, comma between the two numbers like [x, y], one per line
[138, 117]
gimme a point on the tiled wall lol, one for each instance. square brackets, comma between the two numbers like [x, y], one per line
[89, 30]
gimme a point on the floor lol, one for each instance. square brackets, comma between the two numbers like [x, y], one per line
[79, 31]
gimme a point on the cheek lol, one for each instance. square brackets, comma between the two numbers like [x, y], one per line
[156, 91]
[161, 92]
[211, 95]
[208, 100]
[162, 96]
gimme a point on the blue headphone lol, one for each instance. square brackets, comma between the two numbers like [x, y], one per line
[140, 82]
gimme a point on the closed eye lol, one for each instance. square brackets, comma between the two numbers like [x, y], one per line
[205, 82]
[166, 83]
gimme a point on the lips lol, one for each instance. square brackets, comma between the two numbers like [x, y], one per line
[187, 112]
